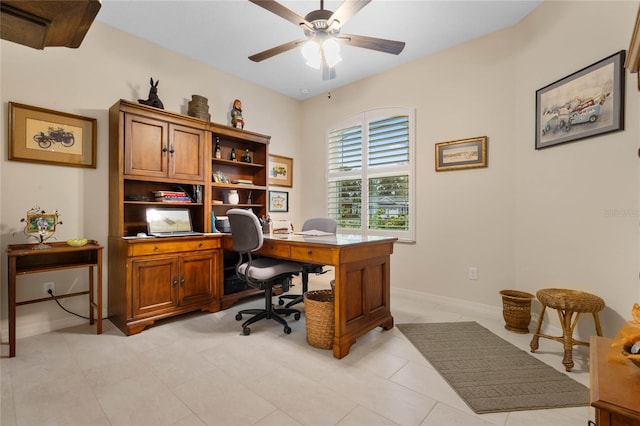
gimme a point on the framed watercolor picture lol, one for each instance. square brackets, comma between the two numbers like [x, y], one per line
[278, 201]
[586, 103]
[45, 136]
[280, 172]
[462, 154]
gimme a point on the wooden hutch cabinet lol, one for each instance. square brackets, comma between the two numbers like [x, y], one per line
[154, 150]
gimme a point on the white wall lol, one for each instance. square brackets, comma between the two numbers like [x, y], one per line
[86, 81]
[532, 219]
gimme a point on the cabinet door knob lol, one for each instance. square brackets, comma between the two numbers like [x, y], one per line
[171, 151]
[181, 281]
[175, 282]
[165, 149]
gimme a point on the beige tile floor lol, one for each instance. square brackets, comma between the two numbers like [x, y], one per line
[198, 369]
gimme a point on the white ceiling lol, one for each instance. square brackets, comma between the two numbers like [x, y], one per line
[224, 33]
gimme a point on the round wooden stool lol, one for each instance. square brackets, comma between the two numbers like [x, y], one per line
[567, 303]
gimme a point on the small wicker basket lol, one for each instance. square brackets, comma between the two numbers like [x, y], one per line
[516, 310]
[319, 313]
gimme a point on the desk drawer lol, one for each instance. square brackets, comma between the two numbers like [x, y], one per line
[275, 249]
[173, 246]
[317, 255]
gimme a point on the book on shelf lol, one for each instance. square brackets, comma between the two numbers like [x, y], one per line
[170, 194]
[172, 197]
[243, 181]
[174, 200]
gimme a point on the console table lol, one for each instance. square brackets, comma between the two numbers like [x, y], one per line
[23, 259]
[362, 278]
[615, 388]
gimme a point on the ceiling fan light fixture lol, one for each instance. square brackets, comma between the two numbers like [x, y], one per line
[311, 52]
[331, 51]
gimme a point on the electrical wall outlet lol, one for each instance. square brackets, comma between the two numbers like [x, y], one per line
[51, 285]
[473, 273]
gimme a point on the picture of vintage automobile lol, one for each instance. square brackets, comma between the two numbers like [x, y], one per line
[558, 121]
[59, 135]
[585, 115]
[584, 111]
[278, 170]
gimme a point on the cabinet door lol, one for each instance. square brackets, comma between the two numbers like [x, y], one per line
[186, 153]
[198, 281]
[154, 285]
[145, 146]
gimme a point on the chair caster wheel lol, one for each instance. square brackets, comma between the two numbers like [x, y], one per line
[246, 331]
[238, 317]
[297, 315]
[287, 330]
[280, 302]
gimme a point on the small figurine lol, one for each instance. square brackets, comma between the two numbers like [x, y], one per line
[153, 99]
[236, 115]
[232, 155]
[246, 157]
[218, 153]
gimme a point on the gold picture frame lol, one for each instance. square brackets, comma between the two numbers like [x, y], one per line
[38, 223]
[461, 154]
[45, 136]
[280, 171]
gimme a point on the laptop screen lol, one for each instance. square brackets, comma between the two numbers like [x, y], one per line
[163, 221]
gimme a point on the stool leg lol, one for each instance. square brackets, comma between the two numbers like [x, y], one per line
[567, 337]
[536, 335]
[596, 320]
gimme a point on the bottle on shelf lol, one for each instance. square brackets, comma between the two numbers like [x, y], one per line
[246, 157]
[218, 153]
[232, 156]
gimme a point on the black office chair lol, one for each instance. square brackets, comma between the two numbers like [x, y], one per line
[323, 224]
[259, 272]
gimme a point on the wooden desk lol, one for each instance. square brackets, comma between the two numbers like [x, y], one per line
[24, 260]
[615, 388]
[362, 279]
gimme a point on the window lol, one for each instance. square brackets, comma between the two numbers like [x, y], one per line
[370, 169]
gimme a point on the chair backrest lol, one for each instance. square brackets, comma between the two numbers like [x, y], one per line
[246, 231]
[324, 224]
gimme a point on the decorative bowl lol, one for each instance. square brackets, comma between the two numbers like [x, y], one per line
[77, 242]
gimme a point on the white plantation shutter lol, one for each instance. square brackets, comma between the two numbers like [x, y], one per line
[371, 173]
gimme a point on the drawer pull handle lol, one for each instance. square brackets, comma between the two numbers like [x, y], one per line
[309, 252]
[156, 248]
[200, 245]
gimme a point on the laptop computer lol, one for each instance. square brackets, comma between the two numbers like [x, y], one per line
[169, 223]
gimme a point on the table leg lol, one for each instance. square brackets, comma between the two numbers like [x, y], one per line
[99, 293]
[91, 304]
[12, 306]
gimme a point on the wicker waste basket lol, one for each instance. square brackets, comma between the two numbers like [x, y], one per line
[319, 313]
[516, 310]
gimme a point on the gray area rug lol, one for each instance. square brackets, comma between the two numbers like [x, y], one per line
[490, 374]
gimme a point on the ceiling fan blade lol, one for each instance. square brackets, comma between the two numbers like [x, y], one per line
[345, 11]
[283, 12]
[379, 44]
[276, 50]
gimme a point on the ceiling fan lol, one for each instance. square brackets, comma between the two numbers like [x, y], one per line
[322, 30]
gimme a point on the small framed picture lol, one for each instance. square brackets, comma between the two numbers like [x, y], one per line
[40, 135]
[41, 223]
[280, 172]
[278, 201]
[461, 154]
